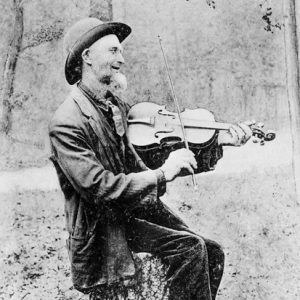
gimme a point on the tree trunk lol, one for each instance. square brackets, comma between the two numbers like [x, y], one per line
[292, 64]
[10, 66]
[101, 9]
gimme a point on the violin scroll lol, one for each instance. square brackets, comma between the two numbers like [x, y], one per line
[261, 136]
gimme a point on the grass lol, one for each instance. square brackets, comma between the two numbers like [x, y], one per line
[35, 264]
[22, 151]
[254, 215]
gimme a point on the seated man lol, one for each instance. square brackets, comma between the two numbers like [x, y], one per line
[112, 200]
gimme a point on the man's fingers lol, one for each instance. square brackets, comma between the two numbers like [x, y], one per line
[194, 163]
[183, 152]
[179, 162]
[249, 123]
[191, 161]
[239, 131]
[187, 152]
[234, 135]
[243, 133]
[183, 155]
[247, 130]
[188, 167]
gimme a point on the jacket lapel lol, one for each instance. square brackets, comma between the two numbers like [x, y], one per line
[99, 125]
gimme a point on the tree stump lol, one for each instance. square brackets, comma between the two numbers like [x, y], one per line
[151, 278]
[151, 282]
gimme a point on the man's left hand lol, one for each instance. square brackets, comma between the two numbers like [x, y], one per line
[237, 135]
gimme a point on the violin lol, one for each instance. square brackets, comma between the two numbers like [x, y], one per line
[155, 132]
[151, 126]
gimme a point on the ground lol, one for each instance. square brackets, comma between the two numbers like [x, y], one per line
[248, 204]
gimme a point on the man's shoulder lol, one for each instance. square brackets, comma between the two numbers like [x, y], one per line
[68, 113]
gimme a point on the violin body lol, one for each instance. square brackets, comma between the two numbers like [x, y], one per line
[151, 125]
[155, 132]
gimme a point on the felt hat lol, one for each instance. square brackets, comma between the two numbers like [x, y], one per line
[81, 36]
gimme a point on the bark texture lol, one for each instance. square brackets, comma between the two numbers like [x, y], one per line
[10, 66]
[292, 79]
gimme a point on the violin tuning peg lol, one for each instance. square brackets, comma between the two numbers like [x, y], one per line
[250, 123]
[270, 135]
[260, 125]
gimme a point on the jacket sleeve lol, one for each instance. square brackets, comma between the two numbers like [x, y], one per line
[88, 176]
[208, 157]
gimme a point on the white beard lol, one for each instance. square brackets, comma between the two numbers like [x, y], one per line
[118, 83]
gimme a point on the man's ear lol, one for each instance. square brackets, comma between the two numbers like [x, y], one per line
[86, 56]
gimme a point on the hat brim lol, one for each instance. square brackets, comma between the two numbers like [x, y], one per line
[73, 60]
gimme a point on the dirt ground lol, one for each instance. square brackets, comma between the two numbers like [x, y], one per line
[250, 208]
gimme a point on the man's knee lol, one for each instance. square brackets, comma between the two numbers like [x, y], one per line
[207, 249]
[215, 250]
[195, 243]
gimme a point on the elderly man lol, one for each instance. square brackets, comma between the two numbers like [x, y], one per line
[112, 200]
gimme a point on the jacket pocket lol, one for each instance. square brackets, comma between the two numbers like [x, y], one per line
[83, 252]
[86, 221]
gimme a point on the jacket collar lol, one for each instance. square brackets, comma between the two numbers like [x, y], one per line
[87, 108]
[101, 102]
[85, 105]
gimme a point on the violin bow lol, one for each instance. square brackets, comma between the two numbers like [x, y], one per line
[176, 103]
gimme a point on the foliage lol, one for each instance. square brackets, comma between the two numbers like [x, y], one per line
[267, 14]
[268, 17]
[46, 33]
[219, 59]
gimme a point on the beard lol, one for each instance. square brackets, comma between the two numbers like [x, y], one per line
[116, 82]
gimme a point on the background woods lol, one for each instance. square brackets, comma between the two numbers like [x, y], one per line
[222, 59]
[10, 64]
[235, 58]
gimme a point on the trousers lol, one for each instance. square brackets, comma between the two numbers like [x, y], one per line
[194, 264]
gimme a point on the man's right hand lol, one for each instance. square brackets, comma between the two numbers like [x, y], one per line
[180, 162]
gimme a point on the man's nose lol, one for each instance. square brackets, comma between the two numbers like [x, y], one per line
[121, 58]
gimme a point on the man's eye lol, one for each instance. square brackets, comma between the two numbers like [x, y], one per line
[114, 51]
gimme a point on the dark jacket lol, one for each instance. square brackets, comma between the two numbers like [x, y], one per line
[104, 186]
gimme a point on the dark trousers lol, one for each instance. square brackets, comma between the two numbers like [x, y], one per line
[195, 265]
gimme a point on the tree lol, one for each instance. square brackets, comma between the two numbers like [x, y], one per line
[19, 43]
[293, 84]
[101, 9]
[10, 65]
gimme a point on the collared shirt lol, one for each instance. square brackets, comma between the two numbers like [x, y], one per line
[109, 107]
[101, 102]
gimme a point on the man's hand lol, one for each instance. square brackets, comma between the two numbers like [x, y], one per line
[237, 135]
[180, 162]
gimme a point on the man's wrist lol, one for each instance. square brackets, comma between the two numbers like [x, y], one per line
[161, 177]
[220, 140]
[161, 181]
[165, 173]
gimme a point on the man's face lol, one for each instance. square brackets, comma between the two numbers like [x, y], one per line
[106, 59]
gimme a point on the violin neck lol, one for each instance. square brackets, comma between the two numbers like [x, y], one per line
[188, 123]
[207, 125]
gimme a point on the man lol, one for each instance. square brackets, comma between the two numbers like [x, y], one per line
[112, 199]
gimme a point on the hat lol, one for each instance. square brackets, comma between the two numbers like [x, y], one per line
[81, 36]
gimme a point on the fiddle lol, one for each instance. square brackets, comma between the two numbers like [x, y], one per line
[151, 126]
